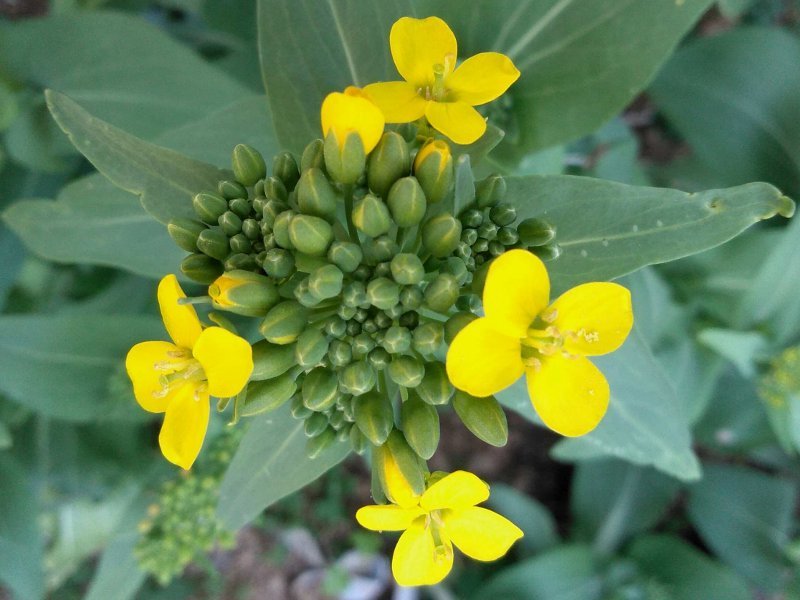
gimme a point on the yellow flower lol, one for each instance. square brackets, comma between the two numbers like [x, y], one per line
[444, 515]
[522, 334]
[425, 52]
[177, 378]
[349, 112]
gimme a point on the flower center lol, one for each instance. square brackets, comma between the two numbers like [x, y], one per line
[442, 551]
[438, 92]
[544, 339]
[180, 368]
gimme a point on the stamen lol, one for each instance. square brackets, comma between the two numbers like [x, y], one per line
[549, 315]
[438, 91]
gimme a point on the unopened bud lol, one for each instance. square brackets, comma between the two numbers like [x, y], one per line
[503, 214]
[407, 269]
[396, 340]
[278, 263]
[435, 387]
[508, 236]
[371, 216]
[336, 327]
[245, 262]
[284, 322]
[472, 218]
[441, 234]
[248, 165]
[406, 371]
[420, 423]
[357, 378]
[315, 424]
[535, 232]
[230, 223]
[345, 163]
[433, 167]
[311, 235]
[406, 202]
[383, 293]
[184, 232]
[317, 444]
[340, 353]
[401, 472]
[379, 358]
[547, 252]
[326, 282]
[411, 297]
[484, 417]
[313, 156]
[209, 207]
[388, 162]
[284, 167]
[213, 243]
[251, 229]
[490, 191]
[315, 194]
[358, 442]
[442, 292]
[243, 293]
[298, 409]
[302, 292]
[374, 416]
[274, 189]
[239, 244]
[456, 323]
[381, 249]
[271, 360]
[271, 210]
[231, 189]
[345, 255]
[268, 395]
[363, 344]
[201, 268]
[280, 229]
[241, 207]
[320, 389]
[310, 348]
[428, 337]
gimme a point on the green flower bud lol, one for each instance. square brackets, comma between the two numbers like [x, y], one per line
[278, 263]
[383, 293]
[382, 249]
[371, 216]
[310, 348]
[320, 389]
[435, 387]
[456, 323]
[406, 371]
[488, 231]
[468, 302]
[442, 292]
[313, 156]
[379, 359]
[243, 293]
[268, 395]
[248, 165]
[406, 202]
[396, 340]
[326, 281]
[315, 424]
[345, 255]
[407, 319]
[382, 320]
[309, 234]
[357, 378]
[411, 297]
[243, 262]
[469, 236]
[304, 295]
[209, 207]
[472, 218]
[484, 417]
[339, 353]
[361, 314]
[251, 229]
[508, 236]
[336, 328]
[258, 190]
[441, 234]
[280, 229]
[284, 166]
[490, 191]
[362, 273]
[374, 416]
[354, 294]
[358, 442]
[496, 248]
[481, 245]
[271, 210]
[547, 252]
[201, 268]
[420, 423]
[213, 243]
[456, 267]
[274, 189]
[240, 244]
[184, 232]
[353, 328]
[271, 360]
[231, 189]
[388, 162]
[407, 269]
[240, 207]
[298, 409]
[433, 167]
[345, 163]
[230, 223]
[317, 444]
[428, 337]
[503, 214]
[535, 232]
[284, 322]
[362, 344]
[315, 194]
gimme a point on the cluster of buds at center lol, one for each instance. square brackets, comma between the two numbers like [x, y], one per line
[358, 282]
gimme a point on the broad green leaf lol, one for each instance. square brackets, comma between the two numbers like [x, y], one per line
[645, 424]
[529, 515]
[5, 437]
[121, 68]
[118, 574]
[60, 365]
[164, 179]
[20, 539]
[742, 349]
[745, 517]
[608, 229]
[734, 8]
[309, 48]
[270, 463]
[685, 571]
[611, 501]
[732, 96]
[567, 572]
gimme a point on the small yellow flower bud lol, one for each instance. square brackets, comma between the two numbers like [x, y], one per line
[243, 293]
[433, 167]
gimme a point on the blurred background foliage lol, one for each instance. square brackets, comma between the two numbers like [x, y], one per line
[704, 98]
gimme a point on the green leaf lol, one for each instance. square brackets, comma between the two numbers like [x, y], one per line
[309, 48]
[644, 425]
[565, 573]
[745, 517]
[60, 365]
[270, 464]
[118, 574]
[528, 514]
[741, 348]
[608, 229]
[121, 68]
[685, 571]
[20, 539]
[739, 86]
[165, 180]
[611, 501]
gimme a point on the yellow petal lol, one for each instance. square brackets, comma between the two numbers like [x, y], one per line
[599, 315]
[480, 533]
[482, 361]
[352, 112]
[180, 320]
[569, 394]
[140, 365]
[516, 291]
[185, 426]
[420, 44]
[396, 486]
[459, 489]
[417, 560]
[482, 78]
[227, 361]
[457, 120]
[387, 517]
[398, 100]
